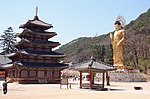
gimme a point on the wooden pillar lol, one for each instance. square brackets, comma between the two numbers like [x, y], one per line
[28, 73]
[107, 79]
[6, 73]
[19, 73]
[103, 83]
[36, 73]
[91, 80]
[16, 73]
[80, 79]
[45, 74]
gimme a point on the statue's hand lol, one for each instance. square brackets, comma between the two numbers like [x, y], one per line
[118, 44]
[111, 35]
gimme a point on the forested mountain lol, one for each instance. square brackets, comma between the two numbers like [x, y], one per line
[137, 46]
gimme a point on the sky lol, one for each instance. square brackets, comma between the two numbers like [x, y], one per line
[71, 18]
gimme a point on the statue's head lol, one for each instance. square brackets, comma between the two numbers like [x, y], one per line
[117, 25]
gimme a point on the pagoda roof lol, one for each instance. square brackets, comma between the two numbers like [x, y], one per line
[37, 53]
[37, 23]
[36, 65]
[41, 33]
[92, 65]
[41, 43]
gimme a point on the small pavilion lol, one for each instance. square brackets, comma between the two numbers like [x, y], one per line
[92, 67]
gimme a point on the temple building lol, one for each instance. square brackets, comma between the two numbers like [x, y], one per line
[35, 61]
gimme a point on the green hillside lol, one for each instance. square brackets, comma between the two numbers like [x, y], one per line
[137, 48]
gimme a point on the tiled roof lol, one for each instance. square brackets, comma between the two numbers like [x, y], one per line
[37, 53]
[8, 65]
[92, 65]
[36, 22]
[43, 53]
[47, 43]
[42, 65]
[4, 59]
[44, 42]
[28, 31]
[36, 65]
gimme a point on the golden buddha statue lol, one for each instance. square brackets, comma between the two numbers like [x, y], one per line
[118, 39]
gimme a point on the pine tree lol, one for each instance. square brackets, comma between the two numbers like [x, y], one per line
[7, 39]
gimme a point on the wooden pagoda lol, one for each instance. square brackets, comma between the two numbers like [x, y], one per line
[35, 61]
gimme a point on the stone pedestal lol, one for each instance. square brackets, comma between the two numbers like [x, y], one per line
[128, 76]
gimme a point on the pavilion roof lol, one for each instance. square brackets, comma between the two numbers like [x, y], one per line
[36, 65]
[37, 23]
[93, 66]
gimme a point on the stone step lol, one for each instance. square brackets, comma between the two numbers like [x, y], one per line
[42, 81]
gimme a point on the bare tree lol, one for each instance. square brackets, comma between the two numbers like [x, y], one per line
[137, 48]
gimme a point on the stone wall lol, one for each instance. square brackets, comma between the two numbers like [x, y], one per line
[148, 75]
[127, 77]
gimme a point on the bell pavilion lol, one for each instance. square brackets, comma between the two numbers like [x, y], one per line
[35, 61]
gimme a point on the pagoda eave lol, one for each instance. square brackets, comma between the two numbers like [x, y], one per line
[53, 56]
[34, 43]
[41, 65]
[13, 55]
[38, 33]
[36, 23]
[31, 65]
[29, 44]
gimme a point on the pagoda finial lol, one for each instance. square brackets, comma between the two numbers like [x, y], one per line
[36, 16]
[36, 13]
[36, 10]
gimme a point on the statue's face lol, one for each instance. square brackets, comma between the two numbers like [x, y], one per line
[117, 27]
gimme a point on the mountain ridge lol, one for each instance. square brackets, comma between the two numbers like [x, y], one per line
[137, 31]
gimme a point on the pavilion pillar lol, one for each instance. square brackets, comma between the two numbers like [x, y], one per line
[80, 79]
[93, 75]
[103, 83]
[107, 79]
[91, 80]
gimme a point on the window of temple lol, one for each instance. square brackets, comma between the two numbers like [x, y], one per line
[31, 48]
[11, 73]
[47, 49]
[38, 38]
[31, 60]
[41, 74]
[56, 74]
[24, 73]
[32, 73]
[47, 60]
[39, 60]
[38, 48]
[49, 74]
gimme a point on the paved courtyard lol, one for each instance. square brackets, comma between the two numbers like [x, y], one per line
[117, 90]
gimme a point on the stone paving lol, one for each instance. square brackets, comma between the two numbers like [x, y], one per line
[117, 90]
